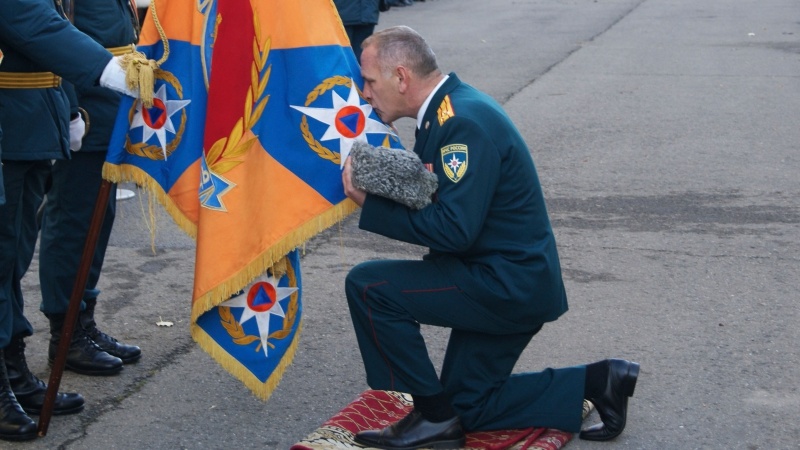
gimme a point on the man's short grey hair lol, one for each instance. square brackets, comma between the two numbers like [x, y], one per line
[402, 46]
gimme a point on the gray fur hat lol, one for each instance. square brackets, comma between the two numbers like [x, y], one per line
[398, 175]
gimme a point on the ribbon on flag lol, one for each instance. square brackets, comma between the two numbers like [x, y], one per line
[255, 110]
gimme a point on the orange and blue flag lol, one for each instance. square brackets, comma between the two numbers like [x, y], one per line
[257, 106]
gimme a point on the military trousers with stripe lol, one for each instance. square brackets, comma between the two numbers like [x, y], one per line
[388, 302]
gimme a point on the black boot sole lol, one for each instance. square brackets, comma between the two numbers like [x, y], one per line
[128, 360]
[19, 437]
[100, 373]
[56, 412]
[95, 373]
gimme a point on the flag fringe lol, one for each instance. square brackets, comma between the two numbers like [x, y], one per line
[297, 237]
[262, 390]
[129, 173]
[223, 291]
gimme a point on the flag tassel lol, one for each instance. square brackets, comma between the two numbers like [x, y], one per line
[139, 70]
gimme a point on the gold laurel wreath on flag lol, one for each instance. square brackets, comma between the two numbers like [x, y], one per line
[235, 329]
[223, 154]
[326, 85]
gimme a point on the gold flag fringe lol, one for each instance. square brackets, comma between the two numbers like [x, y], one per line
[125, 172]
[270, 256]
[262, 390]
[223, 291]
[260, 264]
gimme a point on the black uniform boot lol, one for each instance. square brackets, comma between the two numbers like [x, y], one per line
[15, 425]
[127, 353]
[83, 356]
[29, 389]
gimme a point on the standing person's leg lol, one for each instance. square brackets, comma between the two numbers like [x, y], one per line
[357, 34]
[15, 178]
[65, 225]
[14, 422]
[29, 389]
[28, 197]
[91, 165]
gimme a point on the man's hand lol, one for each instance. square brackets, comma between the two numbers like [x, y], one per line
[356, 195]
[113, 77]
[77, 128]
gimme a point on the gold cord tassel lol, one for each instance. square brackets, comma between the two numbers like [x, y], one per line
[140, 71]
[140, 74]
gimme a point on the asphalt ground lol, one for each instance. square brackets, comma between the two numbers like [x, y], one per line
[666, 137]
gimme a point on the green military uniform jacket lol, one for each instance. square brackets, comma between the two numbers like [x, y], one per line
[488, 226]
[357, 12]
[111, 23]
[36, 38]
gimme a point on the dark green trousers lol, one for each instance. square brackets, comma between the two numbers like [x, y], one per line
[389, 300]
[24, 184]
[65, 225]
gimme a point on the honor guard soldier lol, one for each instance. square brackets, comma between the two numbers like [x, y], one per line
[39, 47]
[359, 18]
[492, 273]
[66, 219]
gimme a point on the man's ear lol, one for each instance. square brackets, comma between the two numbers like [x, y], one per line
[403, 78]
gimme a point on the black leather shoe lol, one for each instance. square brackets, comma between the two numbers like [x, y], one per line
[413, 432]
[32, 399]
[127, 353]
[612, 405]
[30, 390]
[85, 357]
[15, 425]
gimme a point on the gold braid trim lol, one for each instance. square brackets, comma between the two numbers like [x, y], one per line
[140, 71]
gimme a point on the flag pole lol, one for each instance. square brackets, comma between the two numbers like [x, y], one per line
[74, 306]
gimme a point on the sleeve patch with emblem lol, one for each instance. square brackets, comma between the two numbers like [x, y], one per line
[454, 161]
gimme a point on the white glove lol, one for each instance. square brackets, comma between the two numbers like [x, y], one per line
[113, 77]
[77, 128]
